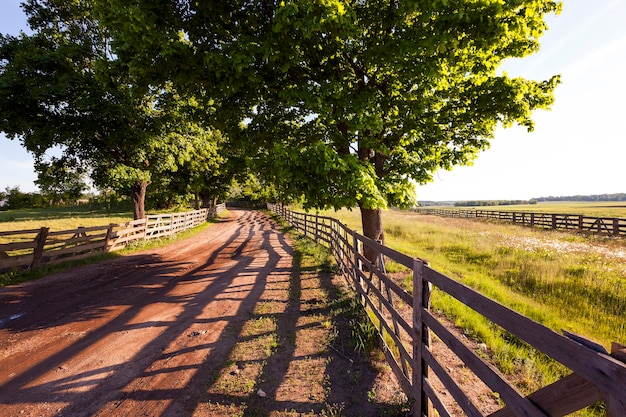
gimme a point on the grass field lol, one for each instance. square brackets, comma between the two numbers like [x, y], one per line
[563, 280]
[592, 209]
[59, 218]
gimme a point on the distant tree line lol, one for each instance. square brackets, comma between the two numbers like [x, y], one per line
[596, 197]
[74, 192]
[12, 198]
[481, 203]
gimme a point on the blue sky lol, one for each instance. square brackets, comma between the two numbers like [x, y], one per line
[579, 147]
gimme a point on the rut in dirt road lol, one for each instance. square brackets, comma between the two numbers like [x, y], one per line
[137, 335]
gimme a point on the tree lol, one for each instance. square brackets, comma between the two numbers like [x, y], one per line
[59, 181]
[348, 102]
[63, 87]
[204, 174]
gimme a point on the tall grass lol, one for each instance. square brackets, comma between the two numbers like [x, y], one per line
[562, 280]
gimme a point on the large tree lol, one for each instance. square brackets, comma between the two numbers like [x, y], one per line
[346, 102]
[63, 87]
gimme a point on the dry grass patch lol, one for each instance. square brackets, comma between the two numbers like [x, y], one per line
[270, 307]
[304, 381]
[237, 380]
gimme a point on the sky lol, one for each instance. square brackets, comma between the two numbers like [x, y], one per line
[577, 148]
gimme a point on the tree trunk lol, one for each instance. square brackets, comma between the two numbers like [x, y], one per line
[207, 200]
[196, 201]
[371, 219]
[372, 222]
[138, 194]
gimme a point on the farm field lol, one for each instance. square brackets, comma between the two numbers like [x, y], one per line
[563, 280]
[587, 208]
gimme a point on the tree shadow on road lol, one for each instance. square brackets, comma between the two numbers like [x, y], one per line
[294, 355]
[196, 330]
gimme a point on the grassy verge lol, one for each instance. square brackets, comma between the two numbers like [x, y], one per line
[563, 280]
[59, 218]
[67, 218]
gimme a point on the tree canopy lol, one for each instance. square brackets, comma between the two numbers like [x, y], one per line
[346, 102]
[59, 182]
[340, 102]
[63, 87]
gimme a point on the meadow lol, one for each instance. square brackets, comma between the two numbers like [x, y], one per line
[563, 280]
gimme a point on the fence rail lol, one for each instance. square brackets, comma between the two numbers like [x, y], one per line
[407, 320]
[577, 222]
[36, 247]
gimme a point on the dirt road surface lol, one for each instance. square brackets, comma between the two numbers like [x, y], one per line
[141, 334]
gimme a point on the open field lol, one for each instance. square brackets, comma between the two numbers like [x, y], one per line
[563, 280]
[587, 208]
[63, 218]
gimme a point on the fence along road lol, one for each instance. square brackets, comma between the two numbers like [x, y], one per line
[602, 225]
[597, 375]
[36, 247]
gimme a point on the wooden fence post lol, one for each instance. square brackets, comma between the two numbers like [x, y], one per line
[41, 242]
[421, 337]
[617, 406]
[418, 276]
[107, 239]
[356, 268]
[145, 229]
[317, 225]
[615, 227]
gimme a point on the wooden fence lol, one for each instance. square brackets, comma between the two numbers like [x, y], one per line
[406, 322]
[36, 247]
[577, 222]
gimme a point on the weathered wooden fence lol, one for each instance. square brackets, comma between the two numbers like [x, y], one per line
[406, 322]
[35, 247]
[577, 222]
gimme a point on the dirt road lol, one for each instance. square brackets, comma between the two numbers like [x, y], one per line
[138, 335]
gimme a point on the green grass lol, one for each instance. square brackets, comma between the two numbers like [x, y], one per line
[563, 280]
[67, 218]
[61, 218]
